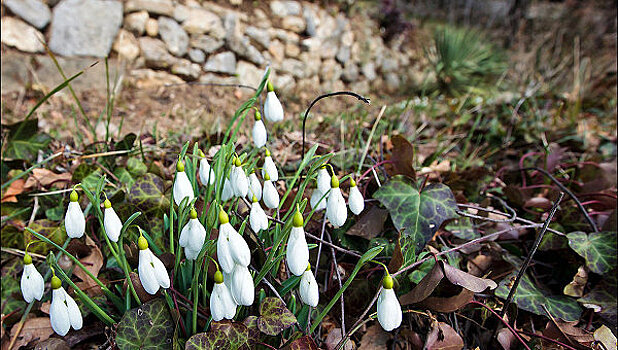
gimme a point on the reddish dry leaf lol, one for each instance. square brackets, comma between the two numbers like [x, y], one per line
[52, 344]
[93, 263]
[370, 223]
[466, 280]
[448, 304]
[375, 338]
[402, 157]
[139, 289]
[44, 177]
[397, 259]
[479, 265]
[424, 288]
[568, 329]
[334, 337]
[38, 328]
[16, 188]
[443, 337]
[541, 203]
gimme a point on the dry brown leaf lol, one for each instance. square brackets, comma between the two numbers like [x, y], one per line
[44, 177]
[16, 188]
[424, 288]
[443, 337]
[402, 157]
[448, 304]
[479, 265]
[139, 289]
[38, 328]
[506, 338]
[375, 338]
[370, 223]
[334, 337]
[569, 329]
[52, 344]
[466, 280]
[541, 203]
[93, 263]
[604, 335]
[397, 259]
[576, 287]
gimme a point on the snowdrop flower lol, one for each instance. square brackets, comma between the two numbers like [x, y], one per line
[257, 217]
[238, 179]
[228, 190]
[74, 221]
[152, 272]
[255, 187]
[273, 111]
[231, 247]
[270, 167]
[336, 210]
[182, 185]
[308, 288]
[192, 236]
[111, 222]
[270, 194]
[259, 131]
[297, 254]
[222, 304]
[316, 203]
[243, 289]
[63, 311]
[32, 285]
[206, 173]
[355, 199]
[323, 180]
[389, 309]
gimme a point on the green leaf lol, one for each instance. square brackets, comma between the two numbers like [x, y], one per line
[24, 140]
[50, 229]
[136, 167]
[222, 335]
[126, 143]
[417, 214]
[531, 298]
[12, 298]
[598, 248]
[92, 180]
[149, 326]
[124, 177]
[602, 299]
[274, 316]
[148, 194]
[463, 228]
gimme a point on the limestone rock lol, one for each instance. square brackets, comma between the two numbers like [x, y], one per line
[292, 50]
[206, 43]
[175, 38]
[285, 8]
[369, 70]
[350, 72]
[217, 79]
[284, 82]
[311, 61]
[136, 22]
[126, 45]
[186, 69]
[197, 55]
[294, 67]
[182, 12]
[152, 27]
[155, 53]
[392, 82]
[157, 7]
[201, 21]
[311, 18]
[261, 19]
[284, 35]
[330, 70]
[277, 50]
[243, 48]
[389, 64]
[85, 27]
[224, 62]
[329, 47]
[259, 35]
[249, 74]
[34, 12]
[17, 33]
[343, 55]
[148, 78]
[293, 23]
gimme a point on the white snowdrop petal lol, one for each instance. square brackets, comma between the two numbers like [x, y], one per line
[336, 210]
[323, 180]
[259, 134]
[183, 240]
[308, 288]
[273, 111]
[256, 217]
[356, 200]
[224, 255]
[243, 289]
[112, 224]
[297, 253]
[317, 203]
[198, 235]
[228, 191]
[270, 195]
[239, 181]
[163, 278]
[238, 247]
[182, 188]
[222, 305]
[255, 188]
[146, 272]
[270, 168]
[59, 313]
[389, 310]
[75, 316]
[74, 221]
[205, 173]
[32, 284]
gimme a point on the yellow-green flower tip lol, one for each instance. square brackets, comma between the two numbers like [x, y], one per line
[258, 115]
[298, 221]
[323, 166]
[218, 277]
[266, 176]
[308, 267]
[223, 218]
[74, 197]
[267, 153]
[254, 199]
[237, 162]
[387, 282]
[201, 153]
[352, 182]
[142, 243]
[270, 87]
[193, 213]
[334, 181]
[27, 259]
[107, 204]
[56, 282]
[180, 166]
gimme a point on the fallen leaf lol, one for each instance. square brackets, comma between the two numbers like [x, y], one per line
[374, 338]
[478, 265]
[424, 288]
[52, 344]
[402, 157]
[139, 289]
[334, 337]
[540, 203]
[448, 304]
[606, 337]
[15, 188]
[44, 177]
[397, 259]
[370, 223]
[38, 328]
[560, 329]
[443, 337]
[93, 263]
[466, 280]
[506, 338]
[576, 287]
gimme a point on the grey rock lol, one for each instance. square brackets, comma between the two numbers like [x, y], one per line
[284, 82]
[310, 17]
[361, 87]
[284, 35]
[292, 50]
[20, 35]
[277, 50]
[231, 25]
[126, 45]
[261, 19]
[197, 55]
[392, 81]
[157, 7]
[259, 35]
[389, 64]
[217, 79]
[14, 71]
[294, 23]
[294, 67]
[312, 61]
[186, 69]
[369, 70]
[224, 62]
[249, 74]
[201, 21]
[155, 53]
[85, 27]
[311, 44]
[152, 27]
[34, 12]
[330, 70]
[175, 38]
[243, 48]
[136, 22]
[182, 12]
[350, 72]
[285, 8]
[329, 47]
[148, 78]
[343, 55]
[206, 43]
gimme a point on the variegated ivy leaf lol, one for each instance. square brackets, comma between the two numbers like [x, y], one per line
[598, 248]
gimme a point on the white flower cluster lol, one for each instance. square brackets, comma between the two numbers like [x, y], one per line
[328, 196]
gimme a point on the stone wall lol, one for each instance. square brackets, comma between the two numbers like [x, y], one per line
[170, 41]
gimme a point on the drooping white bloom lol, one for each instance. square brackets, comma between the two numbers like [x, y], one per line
[297, 253]
[270, 168]
[192, 236]
[259, 131]
[32, 284]
[228, 191]
[222, 304]
[111, 222]
[257, 217]
[63, 311]
[231, 247]
[270, 194]
[74, 221]
[255, 187]
[243, 289]
[317, 203]
[308, 288]
[389, 309]
[323, 180]
[336, 210]
[182, 185]
[355, 199]
[152, 272]
[206, 173]
[273, 111]
[238, 179]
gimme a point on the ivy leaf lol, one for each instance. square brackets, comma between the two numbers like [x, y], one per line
[24, 140]
[149, 326]
[602, 299]
[463, 228]
[302, 343]
[532, 298]
[417, 214]
[148, 194]
[598, 248]
[222, 335]
[50, 229]
[274, 316]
